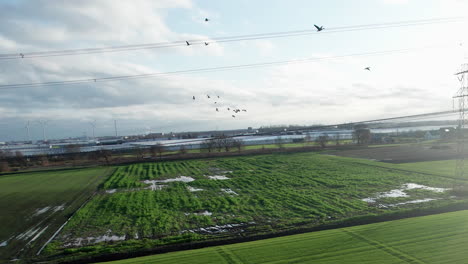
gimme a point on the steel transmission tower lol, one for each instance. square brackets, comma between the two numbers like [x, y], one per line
[462, 97]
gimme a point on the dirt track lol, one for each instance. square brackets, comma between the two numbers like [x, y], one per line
[401, 154]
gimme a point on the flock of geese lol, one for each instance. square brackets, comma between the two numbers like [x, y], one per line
[229, 109]
[236, 110]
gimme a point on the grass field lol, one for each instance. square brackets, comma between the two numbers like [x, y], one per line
[34, 205]
[263, 194]
[430, 239]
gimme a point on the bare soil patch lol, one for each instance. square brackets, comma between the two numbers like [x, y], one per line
[400, 154]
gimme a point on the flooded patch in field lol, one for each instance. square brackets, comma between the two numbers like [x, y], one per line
[205, 213]
[397, 193]
[413, 202]
[154, 184]
[48, 208]
[193, 189]
[218, 177]
[4, 243]
[28, 234]
[94, 240]
[214, 229]
[111, 191]
[411, 186]
[178, 179]
[38, 234]
[42, 210]
[229, 191]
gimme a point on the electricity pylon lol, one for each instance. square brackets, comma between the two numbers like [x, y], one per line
[462, 97]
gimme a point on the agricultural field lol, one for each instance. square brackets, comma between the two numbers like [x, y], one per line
[34, 205]
[438, 238]
[147, 205]
[402, 153]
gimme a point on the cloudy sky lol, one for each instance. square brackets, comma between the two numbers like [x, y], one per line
[322, 91]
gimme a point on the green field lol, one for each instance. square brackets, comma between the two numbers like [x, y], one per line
[430, 239]
[34, 205]
[264, 194]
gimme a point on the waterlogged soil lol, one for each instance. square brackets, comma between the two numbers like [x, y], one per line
[403, 193]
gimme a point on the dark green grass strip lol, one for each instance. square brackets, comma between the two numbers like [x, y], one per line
[401, 241]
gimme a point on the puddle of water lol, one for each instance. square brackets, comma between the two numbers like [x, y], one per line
[229, 191]
[218, 177]
[413, 202]
[29, 233]
[94, 240]
[154, 186]
[4, 243]
[49, 208]
[42, 210]
[193, 189]
[111, 191]
[178, 179]
[38, 234]
[411, 186]
[206, 213]
[59, 208]
[401, 192]
[213, 229]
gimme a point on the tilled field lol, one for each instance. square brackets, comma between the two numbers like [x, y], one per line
[401, 153]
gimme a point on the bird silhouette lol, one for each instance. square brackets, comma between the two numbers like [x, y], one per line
[22, 55]
[234, 116]
[206, 43]
[229, 109]
[319, 28]
[217, 110]
[206, 20]
[194, 97]
[216, 102]
[208, 96]
[244, 110]
[367, 68]
[188, 44]
[218, 96]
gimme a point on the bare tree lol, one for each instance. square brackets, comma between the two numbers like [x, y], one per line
[4, 166]
[362, 135]
[322, 140]
[157, 149]
[182, 149]
[238, 144]
[44, 160]
[279, 142]
[219, 143]
[208, 144]
[140, 152]
[19, 157]
[106, 154]
[307, 138]
[337, 139]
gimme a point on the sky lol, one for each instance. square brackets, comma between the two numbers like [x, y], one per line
[325, 91]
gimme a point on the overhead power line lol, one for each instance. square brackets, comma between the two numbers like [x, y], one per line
[417, 117]
[205, 70]
[158, 45]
